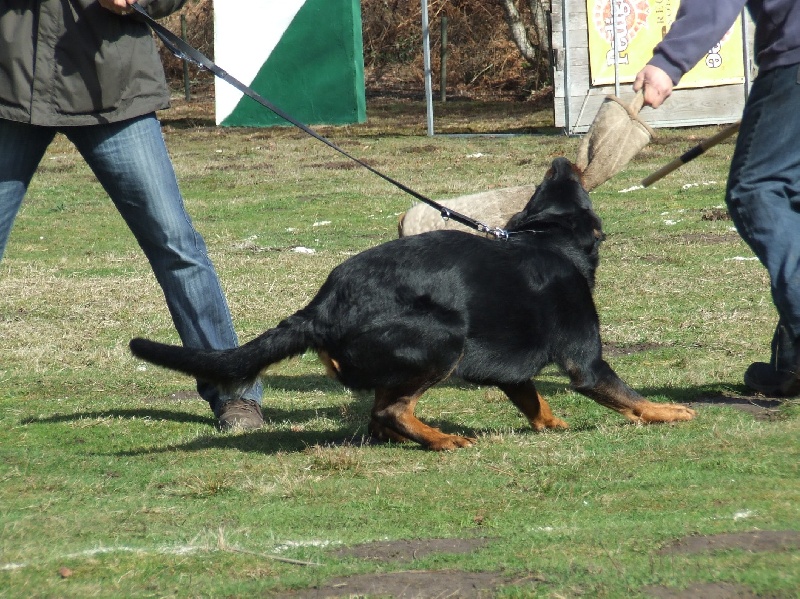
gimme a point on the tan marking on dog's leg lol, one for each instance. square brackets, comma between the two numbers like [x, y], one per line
[612, 392]
[383, 433]
[394, 410]
[332, 368]
[527, 399]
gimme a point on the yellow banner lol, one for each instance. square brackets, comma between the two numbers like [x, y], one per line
[640, 26]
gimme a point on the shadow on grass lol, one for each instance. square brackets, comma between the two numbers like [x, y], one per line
[134, 414]
[714, 395]
[270, 442]
[353, 430]
[354, 435]
[273, 442]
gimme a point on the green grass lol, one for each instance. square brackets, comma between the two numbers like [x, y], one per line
[106, 473]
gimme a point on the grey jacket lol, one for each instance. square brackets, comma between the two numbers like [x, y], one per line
[699, 24]
[72, 62]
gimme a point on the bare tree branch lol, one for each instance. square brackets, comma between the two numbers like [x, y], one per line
[531, 38]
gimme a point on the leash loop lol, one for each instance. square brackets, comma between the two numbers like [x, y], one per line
[185, 51]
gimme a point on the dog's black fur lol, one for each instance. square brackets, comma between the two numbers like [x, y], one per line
[408, 313]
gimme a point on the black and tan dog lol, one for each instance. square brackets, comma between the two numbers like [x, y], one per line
[409, 313]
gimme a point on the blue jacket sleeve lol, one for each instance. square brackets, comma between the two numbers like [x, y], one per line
[699, 24]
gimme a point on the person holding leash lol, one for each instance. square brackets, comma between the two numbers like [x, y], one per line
[88, 70]
[763, 189]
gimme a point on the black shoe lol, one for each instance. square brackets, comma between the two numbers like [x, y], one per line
[769, 381]
[781, 377]
[240, 414]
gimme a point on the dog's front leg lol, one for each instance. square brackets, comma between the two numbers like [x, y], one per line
[532, 405]
[384, 433]
[394, 410]
[606, 388]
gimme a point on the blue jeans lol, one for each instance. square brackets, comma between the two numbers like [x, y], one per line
[131, 162]
[763, 194]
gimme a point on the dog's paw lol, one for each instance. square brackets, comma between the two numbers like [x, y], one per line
[552, 423]
[663, 412]
[450, 442]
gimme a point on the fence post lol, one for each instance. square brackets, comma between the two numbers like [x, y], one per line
[443, 62]
[186, 92]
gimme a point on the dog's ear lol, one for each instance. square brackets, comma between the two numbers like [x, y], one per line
[560, 202]
[589, 231]
[559, 198]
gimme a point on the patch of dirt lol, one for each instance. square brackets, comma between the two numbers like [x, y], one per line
[421, 584]
[413, 585]
[755, 541]
[715, 214]
[426, 584]
[409, 550]
[612, 349]
[340, 165]
[710, 590]
[759, 407]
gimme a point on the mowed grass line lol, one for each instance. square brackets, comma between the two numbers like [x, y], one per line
[114, 482]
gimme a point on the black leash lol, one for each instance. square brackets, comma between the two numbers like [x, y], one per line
[185, 51]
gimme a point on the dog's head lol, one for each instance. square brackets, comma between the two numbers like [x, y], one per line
[560, 205]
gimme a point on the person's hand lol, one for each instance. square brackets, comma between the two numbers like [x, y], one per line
[120, 7]
[655, 83]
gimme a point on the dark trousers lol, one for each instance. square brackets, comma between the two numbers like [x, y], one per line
[763, 194]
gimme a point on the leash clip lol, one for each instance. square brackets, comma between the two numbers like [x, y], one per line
[495, 232]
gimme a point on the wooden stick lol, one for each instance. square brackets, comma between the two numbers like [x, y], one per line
[691, 154]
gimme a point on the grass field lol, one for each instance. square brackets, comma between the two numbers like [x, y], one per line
[114, 481]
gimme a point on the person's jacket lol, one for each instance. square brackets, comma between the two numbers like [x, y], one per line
[777, 38]
[73, 62]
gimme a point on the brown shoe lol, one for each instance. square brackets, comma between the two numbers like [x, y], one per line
[240, 414]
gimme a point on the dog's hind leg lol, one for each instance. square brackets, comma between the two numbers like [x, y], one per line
[606, 388]
[532, 405]
[393, 415]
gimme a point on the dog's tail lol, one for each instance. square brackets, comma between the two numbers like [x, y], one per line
[231, 369]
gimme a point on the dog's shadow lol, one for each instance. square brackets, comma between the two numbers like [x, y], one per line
[353, 430]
